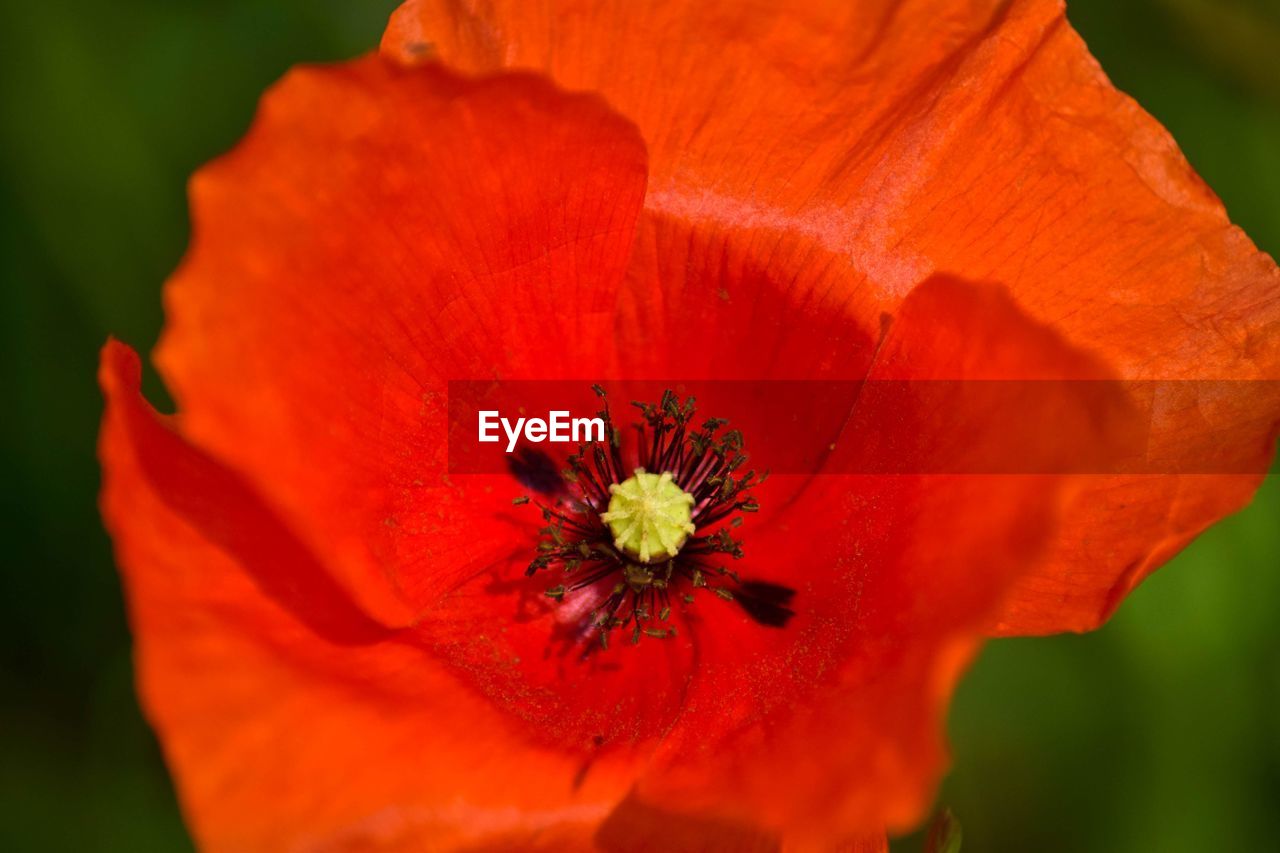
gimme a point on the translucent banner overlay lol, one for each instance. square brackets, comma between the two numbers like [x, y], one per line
[894, 426]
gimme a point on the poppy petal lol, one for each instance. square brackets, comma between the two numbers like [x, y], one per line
[987, 143]
[833, 725]
[380, 231]
[285, 737]
[637, 827]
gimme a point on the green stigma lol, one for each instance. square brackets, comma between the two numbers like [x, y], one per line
[649, 516]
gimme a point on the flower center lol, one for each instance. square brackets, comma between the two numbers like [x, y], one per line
[649, 516]
[628, 543]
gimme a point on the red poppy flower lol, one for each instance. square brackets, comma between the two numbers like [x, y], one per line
[337, 639]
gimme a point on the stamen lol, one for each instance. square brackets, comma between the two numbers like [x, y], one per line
[657, 531]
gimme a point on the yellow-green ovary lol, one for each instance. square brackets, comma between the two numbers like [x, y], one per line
[649, 516]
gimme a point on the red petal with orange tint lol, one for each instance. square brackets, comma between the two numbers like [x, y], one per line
[833, 727]
[378, 232]
[874, 143]
[292, 722]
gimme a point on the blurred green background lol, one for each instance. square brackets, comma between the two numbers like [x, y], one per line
[1159, 733]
